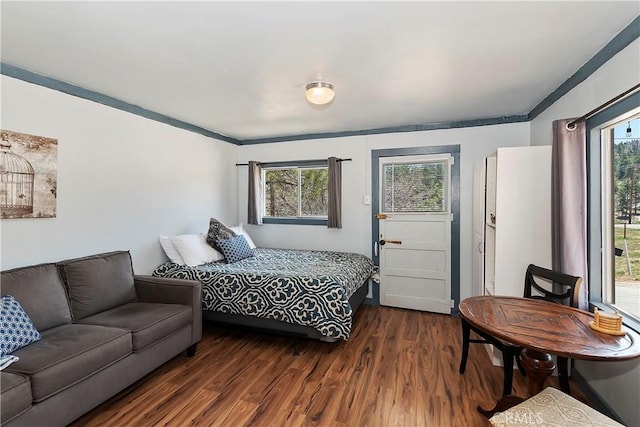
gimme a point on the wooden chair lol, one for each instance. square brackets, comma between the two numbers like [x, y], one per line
[539, 283]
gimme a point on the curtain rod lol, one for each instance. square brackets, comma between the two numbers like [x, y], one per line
[320, 160]
[572, 125]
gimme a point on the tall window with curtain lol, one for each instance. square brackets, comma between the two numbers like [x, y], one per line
[594, 203]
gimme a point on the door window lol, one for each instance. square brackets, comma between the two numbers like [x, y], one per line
[416, 187]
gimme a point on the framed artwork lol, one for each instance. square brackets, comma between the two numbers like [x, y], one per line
[28, 175]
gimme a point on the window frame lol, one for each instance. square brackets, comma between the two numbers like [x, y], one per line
[446, 160]
[621, 111]
[296, 220]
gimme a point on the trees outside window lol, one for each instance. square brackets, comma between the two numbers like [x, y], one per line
[415, 187]
[296, 192]
[620, 226]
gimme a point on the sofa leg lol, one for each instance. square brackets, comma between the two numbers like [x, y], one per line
[191, 351]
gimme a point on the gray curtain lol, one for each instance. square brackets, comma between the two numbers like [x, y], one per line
[254, 215]
[334, 215]
[569, 202]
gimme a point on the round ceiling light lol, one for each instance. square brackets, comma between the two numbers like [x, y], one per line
[320, 93]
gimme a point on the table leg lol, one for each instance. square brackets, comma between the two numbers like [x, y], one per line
[538, 366]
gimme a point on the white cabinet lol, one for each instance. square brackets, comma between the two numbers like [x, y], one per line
[512, 218]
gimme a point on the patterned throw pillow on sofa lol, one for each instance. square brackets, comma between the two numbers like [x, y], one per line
[218, 231]
[16, 329]
[235, 249]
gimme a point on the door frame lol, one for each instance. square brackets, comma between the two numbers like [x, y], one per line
[454, 151]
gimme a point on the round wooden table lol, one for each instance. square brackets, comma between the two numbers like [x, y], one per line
[544, 328]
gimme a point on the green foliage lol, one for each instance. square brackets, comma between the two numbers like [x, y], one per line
[633, 245]
[282, 192]
[626, 174]
[418, 187]
[314, 197]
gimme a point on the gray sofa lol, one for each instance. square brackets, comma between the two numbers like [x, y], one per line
[102, 329]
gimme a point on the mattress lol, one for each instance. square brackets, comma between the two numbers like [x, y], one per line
[308, 288]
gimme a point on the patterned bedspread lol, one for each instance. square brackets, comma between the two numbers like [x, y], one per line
[309, 288]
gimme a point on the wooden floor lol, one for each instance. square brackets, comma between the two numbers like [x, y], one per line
[399, 368]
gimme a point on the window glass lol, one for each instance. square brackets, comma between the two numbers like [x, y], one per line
[281, 192]
[296, 192]
[415, 187]
[621, 216]
[314, 189]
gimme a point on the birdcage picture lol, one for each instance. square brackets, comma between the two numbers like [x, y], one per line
[28, 175]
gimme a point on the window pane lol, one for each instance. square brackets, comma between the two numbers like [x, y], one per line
[415, 187]
[281, 192]
[314, 192]
[625, 184]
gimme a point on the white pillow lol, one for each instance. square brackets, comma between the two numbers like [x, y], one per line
[170, 249]
[194, 249]
[240, 231]
[7, 360]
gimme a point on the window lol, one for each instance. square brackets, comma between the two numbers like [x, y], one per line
[296, 194]
[614, 210]
[415, 186]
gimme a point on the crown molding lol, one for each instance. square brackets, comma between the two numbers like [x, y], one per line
[64, 87]
[618, 43]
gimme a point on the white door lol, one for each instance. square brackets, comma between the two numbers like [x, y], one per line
[415, 232]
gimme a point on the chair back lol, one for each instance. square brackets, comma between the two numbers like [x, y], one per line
[551, 286]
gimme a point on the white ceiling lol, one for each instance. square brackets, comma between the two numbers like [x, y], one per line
[240, 68]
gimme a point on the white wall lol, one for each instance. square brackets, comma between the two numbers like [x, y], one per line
[617, 383]
[122, 180]
[355, 236]
[617, 75]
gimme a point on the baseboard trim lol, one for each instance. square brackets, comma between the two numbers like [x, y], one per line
[594, 398]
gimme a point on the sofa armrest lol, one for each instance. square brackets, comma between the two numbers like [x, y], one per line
[173, 291]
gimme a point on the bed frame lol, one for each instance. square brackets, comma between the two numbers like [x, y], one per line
[280, 327]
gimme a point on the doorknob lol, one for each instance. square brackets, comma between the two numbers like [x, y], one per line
[396, 242]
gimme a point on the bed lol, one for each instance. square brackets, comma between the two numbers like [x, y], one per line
[312, 294]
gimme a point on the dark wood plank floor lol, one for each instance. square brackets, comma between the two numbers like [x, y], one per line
[399, 368]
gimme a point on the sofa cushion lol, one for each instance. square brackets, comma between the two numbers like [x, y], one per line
[16, 395]
[40, 291]
[148, 322]
[99, 282]
[68, 354]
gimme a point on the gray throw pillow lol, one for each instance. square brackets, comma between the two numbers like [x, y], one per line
[218, 231]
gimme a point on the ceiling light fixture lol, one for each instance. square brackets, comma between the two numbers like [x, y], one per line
[320, 93]
[628, 129]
